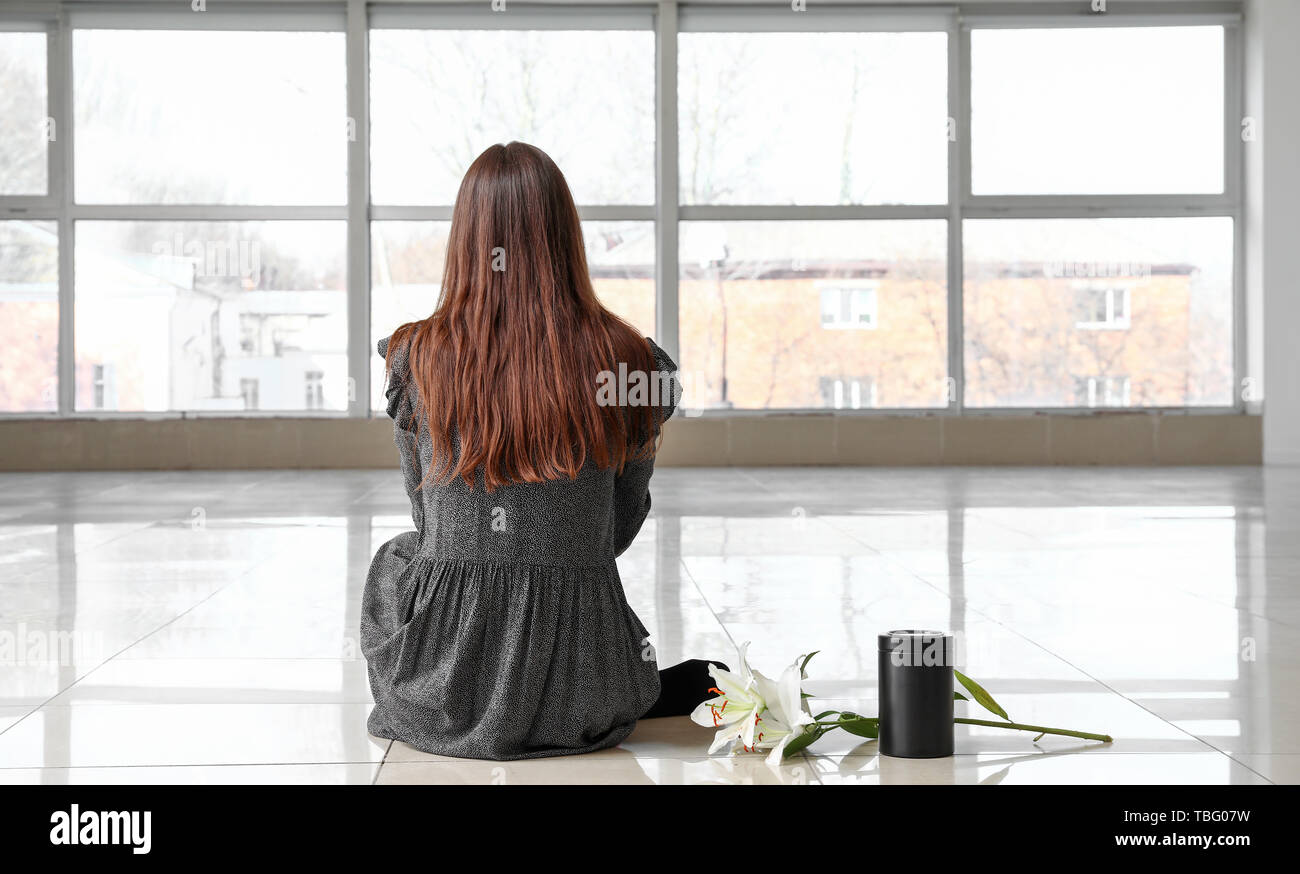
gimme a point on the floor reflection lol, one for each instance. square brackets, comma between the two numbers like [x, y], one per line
[196, 621]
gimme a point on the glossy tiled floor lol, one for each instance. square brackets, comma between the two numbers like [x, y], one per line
[201, 627]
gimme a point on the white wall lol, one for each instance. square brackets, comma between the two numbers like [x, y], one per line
[1273, 219]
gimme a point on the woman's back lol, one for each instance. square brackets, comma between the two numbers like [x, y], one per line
[498, 628]
[584, 522]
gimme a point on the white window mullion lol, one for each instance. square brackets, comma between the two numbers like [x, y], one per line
[358, 234]
[1234, 184]
[216, 212]
[59, 50]
[666, 191]
[815, 212]
[958, 194]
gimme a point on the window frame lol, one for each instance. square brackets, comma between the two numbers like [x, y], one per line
[233, 17]
[1068, 206]
[667, 18]
[821, 19]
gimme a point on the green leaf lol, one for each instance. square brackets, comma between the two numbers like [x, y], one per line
[825, 713]
[809, 735]
[862, 727]
[806, 695]
[984, 698]
[803, 667]
[957, 696]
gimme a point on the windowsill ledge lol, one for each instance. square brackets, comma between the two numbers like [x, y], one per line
[770, 439]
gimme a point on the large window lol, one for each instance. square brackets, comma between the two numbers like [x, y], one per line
[844, 209]
[1132, 305]
[196, 313]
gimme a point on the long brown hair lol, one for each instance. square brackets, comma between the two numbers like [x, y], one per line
[509, 361]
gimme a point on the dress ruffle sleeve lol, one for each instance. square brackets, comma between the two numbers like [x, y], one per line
[632, 485]
[400, 407]
[400, 391]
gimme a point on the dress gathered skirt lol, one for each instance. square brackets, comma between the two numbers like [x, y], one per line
[498, 628]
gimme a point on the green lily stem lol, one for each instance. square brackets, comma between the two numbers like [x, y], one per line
[1105, 738]
[1015, 726]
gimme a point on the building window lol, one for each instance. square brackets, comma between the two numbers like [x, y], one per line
[250, 335]
[1101, 391]
[848, 306]
[248, 389]
[1101, 307]
[844, 393]
[104, 394]
[314, 380]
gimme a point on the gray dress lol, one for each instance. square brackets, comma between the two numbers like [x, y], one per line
[498, 629]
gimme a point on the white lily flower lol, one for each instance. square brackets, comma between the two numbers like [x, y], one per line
[786, 713]
[735, 711]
